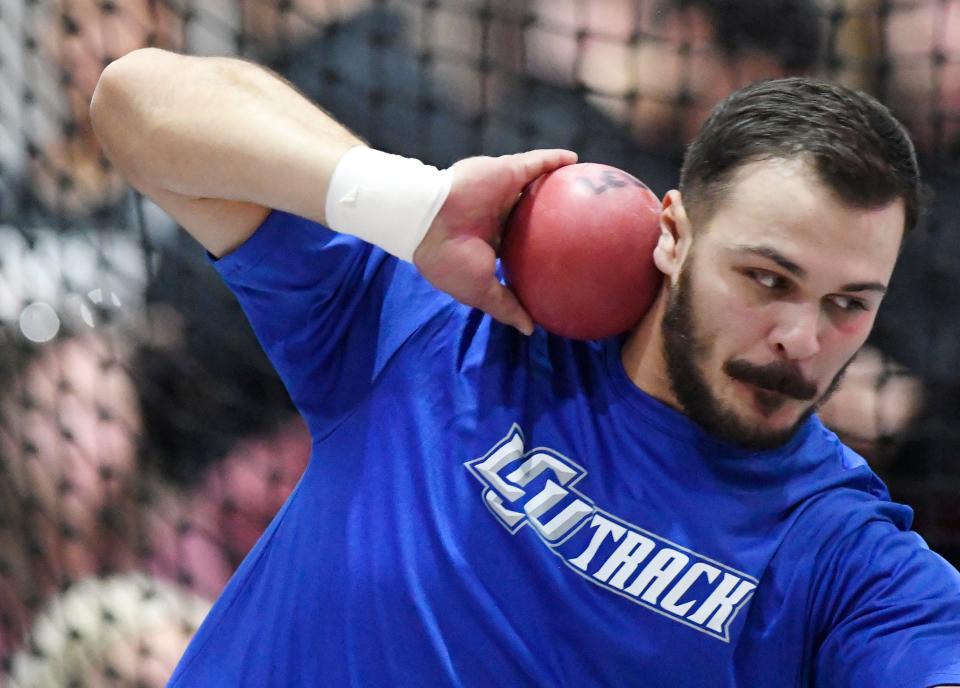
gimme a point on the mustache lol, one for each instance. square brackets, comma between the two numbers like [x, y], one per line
[779, 376]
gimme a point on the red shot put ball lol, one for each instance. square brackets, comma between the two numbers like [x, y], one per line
[578, 250]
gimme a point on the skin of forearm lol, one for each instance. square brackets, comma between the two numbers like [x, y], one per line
[214, 127]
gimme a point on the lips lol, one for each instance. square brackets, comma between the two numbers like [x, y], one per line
[768, 402]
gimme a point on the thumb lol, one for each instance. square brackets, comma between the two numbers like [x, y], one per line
[536, 162]
[502, 305]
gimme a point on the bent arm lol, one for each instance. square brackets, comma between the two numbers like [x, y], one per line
[216, 141]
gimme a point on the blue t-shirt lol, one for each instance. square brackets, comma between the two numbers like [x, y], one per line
[486, 509]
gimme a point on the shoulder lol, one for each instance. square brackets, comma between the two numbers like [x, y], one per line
[842, 506]
[473, 346]
[877, 565]
[886, 610]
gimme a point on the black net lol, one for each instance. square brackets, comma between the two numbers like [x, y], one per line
[145, 441]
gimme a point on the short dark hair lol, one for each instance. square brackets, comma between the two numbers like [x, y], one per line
[790, 31]
[857, 147]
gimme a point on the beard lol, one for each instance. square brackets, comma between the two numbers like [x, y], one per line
[685, 351]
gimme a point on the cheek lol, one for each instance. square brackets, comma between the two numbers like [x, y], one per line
[732, 326]
[661, 84]
[730, 305]
[844, 345]
[842, 341]
[853, 331]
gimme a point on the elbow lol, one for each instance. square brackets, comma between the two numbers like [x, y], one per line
[117, 85]
[121, 108]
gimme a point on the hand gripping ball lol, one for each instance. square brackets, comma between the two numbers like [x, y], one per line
[578, 250]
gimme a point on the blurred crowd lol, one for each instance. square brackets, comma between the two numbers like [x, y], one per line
[145, 442]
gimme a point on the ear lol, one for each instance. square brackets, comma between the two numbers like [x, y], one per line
[675, 236]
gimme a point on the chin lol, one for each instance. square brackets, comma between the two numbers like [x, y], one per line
[784, 427]
[772, 427]
[772, 409]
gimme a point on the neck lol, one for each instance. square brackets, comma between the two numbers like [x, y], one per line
[642, 354]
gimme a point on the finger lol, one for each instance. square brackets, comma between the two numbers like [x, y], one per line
[537, 162]
[502, 305]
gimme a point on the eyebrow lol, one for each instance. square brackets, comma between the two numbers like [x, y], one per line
[865, 286]
[775, 256]
[796, 270]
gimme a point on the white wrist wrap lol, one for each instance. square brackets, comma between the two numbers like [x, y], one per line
[385, 199]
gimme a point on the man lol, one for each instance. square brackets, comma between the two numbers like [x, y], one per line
[484, 508]
[121, 630]
[921, 45]
[702, 49]
[660, 67]
[65, 179]
[919, 325]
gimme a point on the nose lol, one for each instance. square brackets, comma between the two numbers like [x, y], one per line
[796, 336]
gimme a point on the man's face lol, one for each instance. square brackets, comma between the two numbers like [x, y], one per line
[82, 36]
[921, 84]
[79, 415]
[663, 86]
[777, 293]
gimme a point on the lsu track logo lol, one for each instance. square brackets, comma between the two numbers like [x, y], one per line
[539, 488]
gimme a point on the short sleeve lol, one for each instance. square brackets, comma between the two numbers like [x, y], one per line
[329, 310]
[892, 611]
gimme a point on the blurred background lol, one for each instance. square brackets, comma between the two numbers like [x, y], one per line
[145, 442]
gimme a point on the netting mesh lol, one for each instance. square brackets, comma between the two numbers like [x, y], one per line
[145, 442]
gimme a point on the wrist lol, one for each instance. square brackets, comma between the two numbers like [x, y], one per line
[387, 200]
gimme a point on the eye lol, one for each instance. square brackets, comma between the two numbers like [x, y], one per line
[767, 280]
[848, 304]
